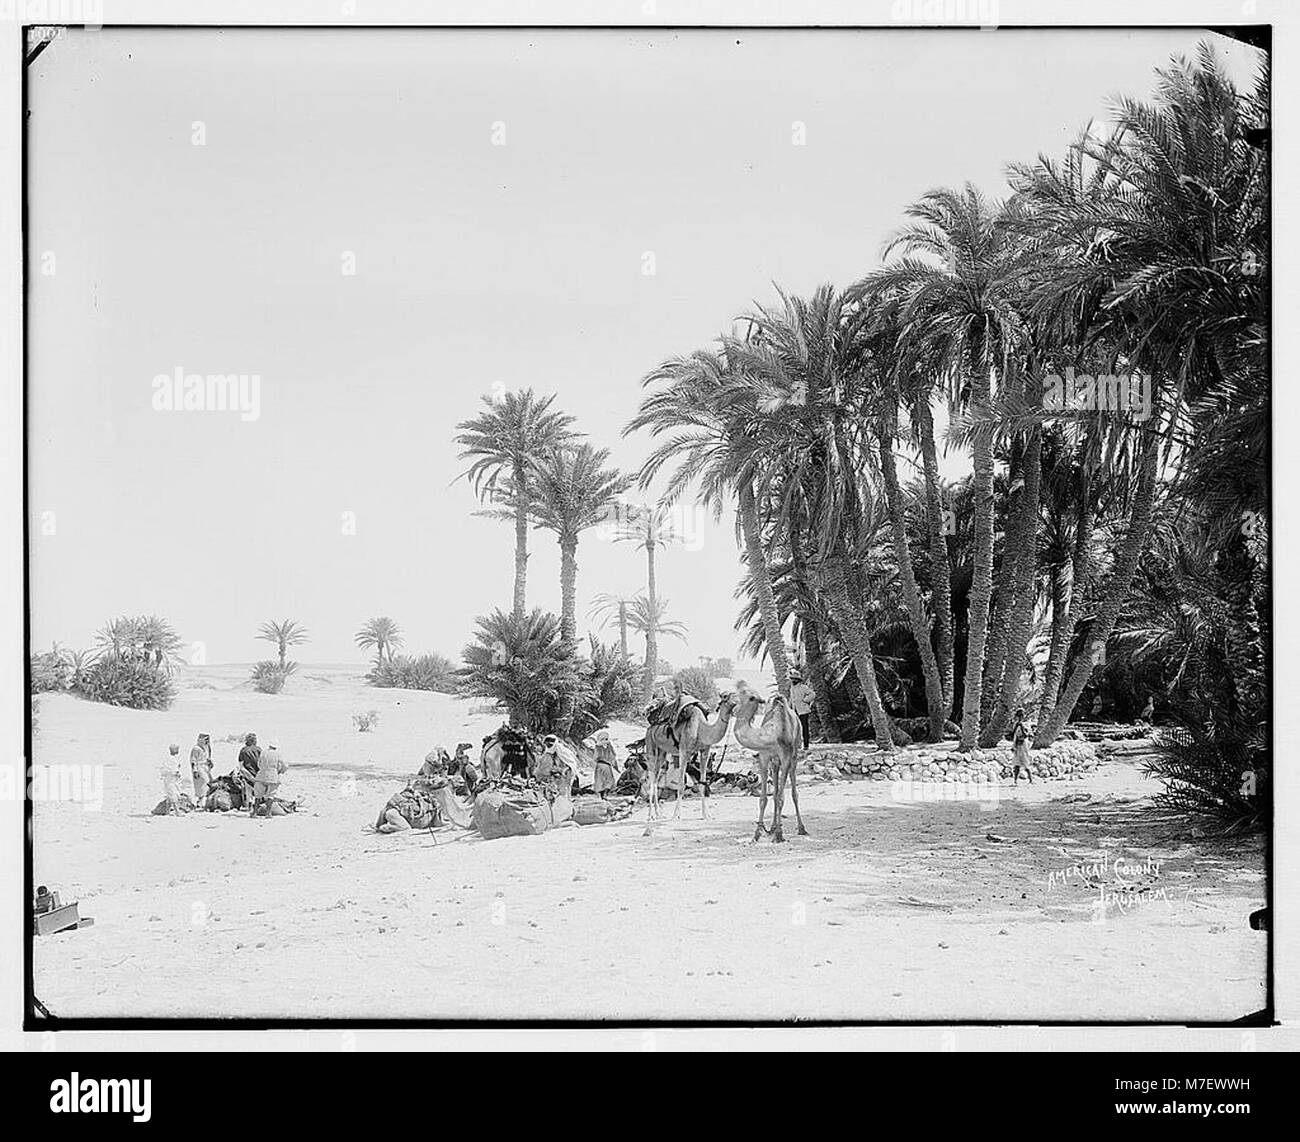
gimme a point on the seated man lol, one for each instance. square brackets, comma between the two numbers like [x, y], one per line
[557, 766]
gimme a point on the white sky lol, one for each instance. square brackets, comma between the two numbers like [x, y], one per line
[519, 265]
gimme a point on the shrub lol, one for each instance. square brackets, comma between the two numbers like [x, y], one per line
[366, 722]
[269, 676]
[145, 639]
[609, 688]
[524, 665]
[422, 672]
[134, 683]
[50, 671]
[699, 682]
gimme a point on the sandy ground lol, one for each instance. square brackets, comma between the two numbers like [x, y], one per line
[890, 909]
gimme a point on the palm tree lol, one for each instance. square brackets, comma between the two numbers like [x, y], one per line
[608, 607]
[284, 634]
[705, 406]
[809, 409]
[651, 621]
[573, 491]
[958, 257]
[649, 527]
[381, 635]
[1154, 249]
[503, 443]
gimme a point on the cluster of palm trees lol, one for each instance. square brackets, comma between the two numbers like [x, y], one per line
[529, 467]
[1143, 251]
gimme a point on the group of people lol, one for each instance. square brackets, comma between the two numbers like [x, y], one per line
[188, 783]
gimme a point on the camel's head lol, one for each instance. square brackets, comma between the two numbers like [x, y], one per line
[746, 702]
[726, 701]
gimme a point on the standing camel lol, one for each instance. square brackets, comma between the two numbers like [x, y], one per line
[694, 733]
[776, 742]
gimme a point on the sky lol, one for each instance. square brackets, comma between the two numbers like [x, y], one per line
[388, 227]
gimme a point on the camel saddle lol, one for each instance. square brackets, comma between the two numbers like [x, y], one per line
[673, 713]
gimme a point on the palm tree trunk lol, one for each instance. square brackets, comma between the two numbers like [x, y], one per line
[911, 593]
[763, 586]
[940, 564]
[818, 677]
[521, 541]
[1080, 567]
[1116, 591]
[814, 629]
[569, 592]
[1020, 621]
[982, 580]
[835, 587]
[651, 634]
[622, 627]
[282, 649]
[1004, 594]
[568, 625]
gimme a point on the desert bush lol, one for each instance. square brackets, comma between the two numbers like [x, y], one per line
[524, 665]
[269, 676]
[699, 682]
[609, 688]
[50, 671]
[134, 683]
[366, 722]
[145, 639]
[420, 672]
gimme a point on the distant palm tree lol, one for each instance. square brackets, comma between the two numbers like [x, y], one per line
[650, 527]
[651, 621]
[503, 443]
[572, 492]
[381, 635]
[284, 634]
[608, 607]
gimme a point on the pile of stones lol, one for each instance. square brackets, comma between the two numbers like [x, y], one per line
[1064, 760]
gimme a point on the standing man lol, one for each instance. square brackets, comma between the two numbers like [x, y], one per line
[246, 770]
[802, 698]
[270, 770]
[201, 767]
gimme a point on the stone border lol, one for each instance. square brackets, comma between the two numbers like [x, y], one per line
[1064, 760]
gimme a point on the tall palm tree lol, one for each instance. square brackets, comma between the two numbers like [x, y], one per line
[1155, 241]
[381, 635]
[572, 491]
[805, 370]
[649, 527]
[956, 265]
[704, 408]
[502, 444]
[284, 634]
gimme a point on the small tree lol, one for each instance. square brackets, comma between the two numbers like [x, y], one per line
[381, 635]
[284, 634]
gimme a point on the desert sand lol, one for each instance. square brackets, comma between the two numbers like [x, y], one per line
[888, 910]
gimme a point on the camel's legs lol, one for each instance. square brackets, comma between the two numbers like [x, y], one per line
[681, 783]
[762, 796]
[778, 798]
[794, 796]
[652, 777]
[704, 784]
